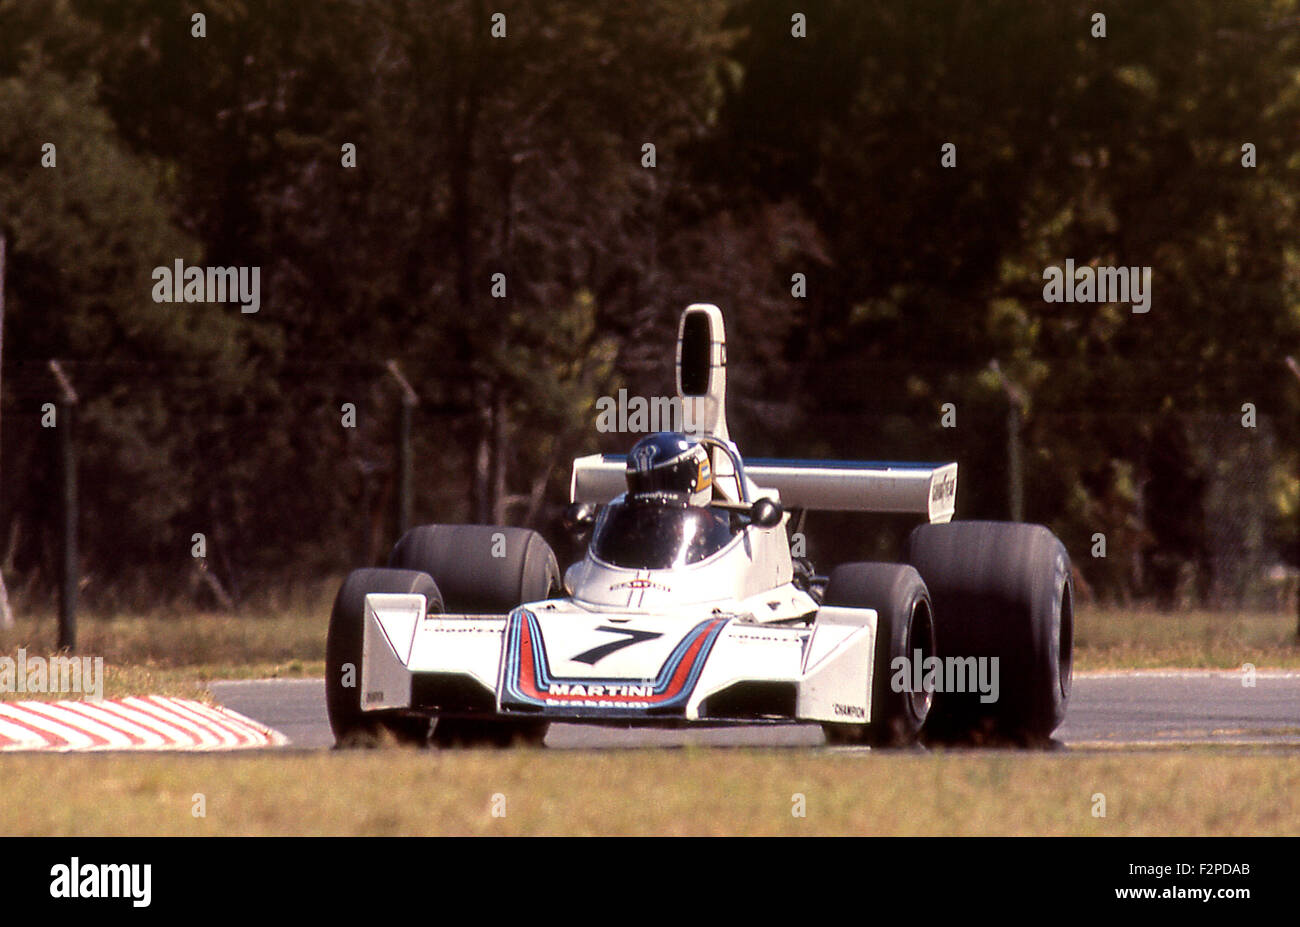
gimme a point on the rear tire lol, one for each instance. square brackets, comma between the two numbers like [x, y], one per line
[461, 560]
[353, 727]
[1000, 589]
[904, 625]
[481, 569]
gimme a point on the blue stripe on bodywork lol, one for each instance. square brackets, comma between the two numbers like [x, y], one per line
[817, 464]
[513, 668]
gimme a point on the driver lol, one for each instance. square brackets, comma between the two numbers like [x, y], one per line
[670, 463]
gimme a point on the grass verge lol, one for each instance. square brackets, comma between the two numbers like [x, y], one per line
[667, 792]
[1117, 639]
[172, 651]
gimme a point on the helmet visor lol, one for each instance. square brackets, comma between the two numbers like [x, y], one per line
[689, 474]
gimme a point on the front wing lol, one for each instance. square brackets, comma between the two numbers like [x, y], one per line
[719, 669]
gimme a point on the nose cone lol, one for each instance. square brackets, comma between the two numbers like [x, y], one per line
[566, 664]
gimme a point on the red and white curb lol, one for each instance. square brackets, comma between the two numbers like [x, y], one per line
[151, 722]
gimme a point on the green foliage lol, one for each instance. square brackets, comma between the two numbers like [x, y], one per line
[521, 156]
[83, 237]
[1118, 151]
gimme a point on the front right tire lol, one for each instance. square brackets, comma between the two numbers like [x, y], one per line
[482, 569]
[353, 727]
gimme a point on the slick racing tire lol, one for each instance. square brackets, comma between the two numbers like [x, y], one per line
[481, 569]
[1001, 590]
[904, 626]
[353, 727]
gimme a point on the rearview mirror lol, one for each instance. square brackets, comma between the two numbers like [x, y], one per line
[579, 518]
[765, 513]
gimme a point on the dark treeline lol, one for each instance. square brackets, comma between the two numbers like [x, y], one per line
[776, 154]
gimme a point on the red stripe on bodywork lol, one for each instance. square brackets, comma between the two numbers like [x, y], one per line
[528, 674]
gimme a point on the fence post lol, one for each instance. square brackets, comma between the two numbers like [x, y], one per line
[68, 573]
[405, 455]
[1295, 371]
[6, 614]
[1015, 474]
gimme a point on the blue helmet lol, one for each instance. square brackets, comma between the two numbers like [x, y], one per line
[670, 462]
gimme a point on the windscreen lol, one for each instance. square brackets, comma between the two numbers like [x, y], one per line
[658, 535]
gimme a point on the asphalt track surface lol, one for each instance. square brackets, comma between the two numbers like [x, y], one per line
[1139, 709]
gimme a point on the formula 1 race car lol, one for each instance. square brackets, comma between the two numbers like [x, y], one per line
[690, 609]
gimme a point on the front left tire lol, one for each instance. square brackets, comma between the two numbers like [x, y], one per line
[904, 628]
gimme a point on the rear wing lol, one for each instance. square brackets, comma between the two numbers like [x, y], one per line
[824, 485]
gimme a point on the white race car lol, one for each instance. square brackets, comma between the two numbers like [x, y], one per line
[689, 608]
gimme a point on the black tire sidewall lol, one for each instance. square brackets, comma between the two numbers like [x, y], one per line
[461, 560]
[898, 594]
[1001, 589]
[343, 643]
[1050, 691]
